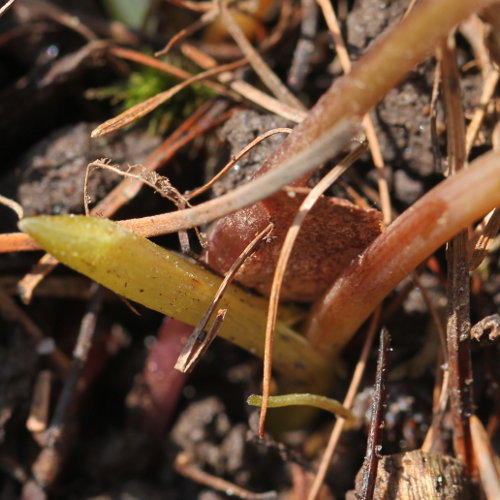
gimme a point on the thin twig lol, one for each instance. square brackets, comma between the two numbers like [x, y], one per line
[458, 325]
[139, 110]
[200, 23]
[185, 466]
[235, 159]
[150, 178]
[186, 360]
[281, 264]
[138, 57]
[327, 457]
[489, 86]
[435, 96]
[17, 242]
[376, 152]
[198, 6]
[269, 78]
[482, 238]
[243, 88]
[6, 7]
[40, 403]
[376, 421]
[13, 205]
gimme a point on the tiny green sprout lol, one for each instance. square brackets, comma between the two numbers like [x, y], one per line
[147, 82]
[305, 399]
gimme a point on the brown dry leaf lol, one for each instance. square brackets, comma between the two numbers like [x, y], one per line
[333, 234]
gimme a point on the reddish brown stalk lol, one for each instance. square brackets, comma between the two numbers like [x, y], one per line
[424, 227]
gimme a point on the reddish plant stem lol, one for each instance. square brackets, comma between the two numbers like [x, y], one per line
[424, 227]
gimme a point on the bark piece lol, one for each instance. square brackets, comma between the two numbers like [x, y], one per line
[416, 475]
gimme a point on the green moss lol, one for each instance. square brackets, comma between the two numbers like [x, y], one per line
[147, 82]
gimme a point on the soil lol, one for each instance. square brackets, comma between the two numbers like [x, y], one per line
[106, 452]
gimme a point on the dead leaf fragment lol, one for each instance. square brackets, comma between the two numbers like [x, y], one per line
[333, 234]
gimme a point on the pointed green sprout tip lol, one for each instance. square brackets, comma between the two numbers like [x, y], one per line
[304, 399]
[176, 286]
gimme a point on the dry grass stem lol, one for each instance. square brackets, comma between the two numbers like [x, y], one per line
[6, 7]
[150, 178]
[139, 110]
[281, 265]
[458, 321]
[482, 238]
[338, 428]
[268, 77]
[204, 20]
[40, 402]
[184, 465]
[235, 159]
[243, 88]
[187, 360]
[13, 205]
[373, 446]
[487, 460]
[489, 86]
[17, 242]
[198, 6]
[139, 57]
[345, 61]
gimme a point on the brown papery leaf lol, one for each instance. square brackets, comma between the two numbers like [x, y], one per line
[333, 234]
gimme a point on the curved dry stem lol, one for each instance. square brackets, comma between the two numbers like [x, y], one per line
[235, 159]
[425, 226]
[279, 274]
[143, 108]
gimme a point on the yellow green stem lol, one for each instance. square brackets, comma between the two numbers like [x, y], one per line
[139, 270]
[305, 399]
